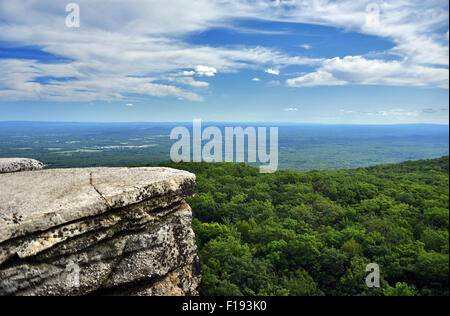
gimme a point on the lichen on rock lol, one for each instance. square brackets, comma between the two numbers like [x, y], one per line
[111, 231]
[9, 165]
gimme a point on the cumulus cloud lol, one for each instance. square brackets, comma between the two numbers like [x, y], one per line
[290, 110]
[273, 71]
[205, 71]
[132, 46]
[256, 79]
[188, 73]
[363, 71]
[130, 49]
[319, 78]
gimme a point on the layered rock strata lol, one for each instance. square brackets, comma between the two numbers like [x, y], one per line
[99, 231]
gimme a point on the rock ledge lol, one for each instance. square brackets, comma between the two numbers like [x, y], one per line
[105, 231]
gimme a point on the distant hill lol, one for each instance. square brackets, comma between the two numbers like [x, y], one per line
[439, 165]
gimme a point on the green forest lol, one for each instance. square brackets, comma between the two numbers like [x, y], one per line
[314, 233]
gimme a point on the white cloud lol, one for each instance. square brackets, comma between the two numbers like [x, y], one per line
[129, 104]
[290, 110]
[362, 71]
[18, 81]
[319, 78]
[273, 71]
[128, 50]
[130, 46]
[189, 81]
[412, 25]
[305, 46]
[188, 73]
[256, 79]
[205, 71]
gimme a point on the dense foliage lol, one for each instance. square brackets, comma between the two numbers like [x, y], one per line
[314, 233]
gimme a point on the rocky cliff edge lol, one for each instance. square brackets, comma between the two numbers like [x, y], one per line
[98, 231]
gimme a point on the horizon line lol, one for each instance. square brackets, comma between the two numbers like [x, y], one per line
[224, 122]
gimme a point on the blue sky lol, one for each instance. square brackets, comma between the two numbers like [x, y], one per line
[349, 62]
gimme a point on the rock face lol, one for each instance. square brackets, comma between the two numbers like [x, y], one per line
[99, 231]
[8, 165]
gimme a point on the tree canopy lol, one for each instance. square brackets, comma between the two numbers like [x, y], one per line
[314, 233]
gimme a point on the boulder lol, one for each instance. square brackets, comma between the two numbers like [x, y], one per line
[8, 165]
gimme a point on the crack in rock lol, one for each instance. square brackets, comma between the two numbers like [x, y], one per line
[91, 181]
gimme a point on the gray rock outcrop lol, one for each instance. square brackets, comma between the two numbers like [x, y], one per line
[98, 231]
[8, 165]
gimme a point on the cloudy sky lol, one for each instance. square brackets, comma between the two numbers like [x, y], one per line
[317, 61]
